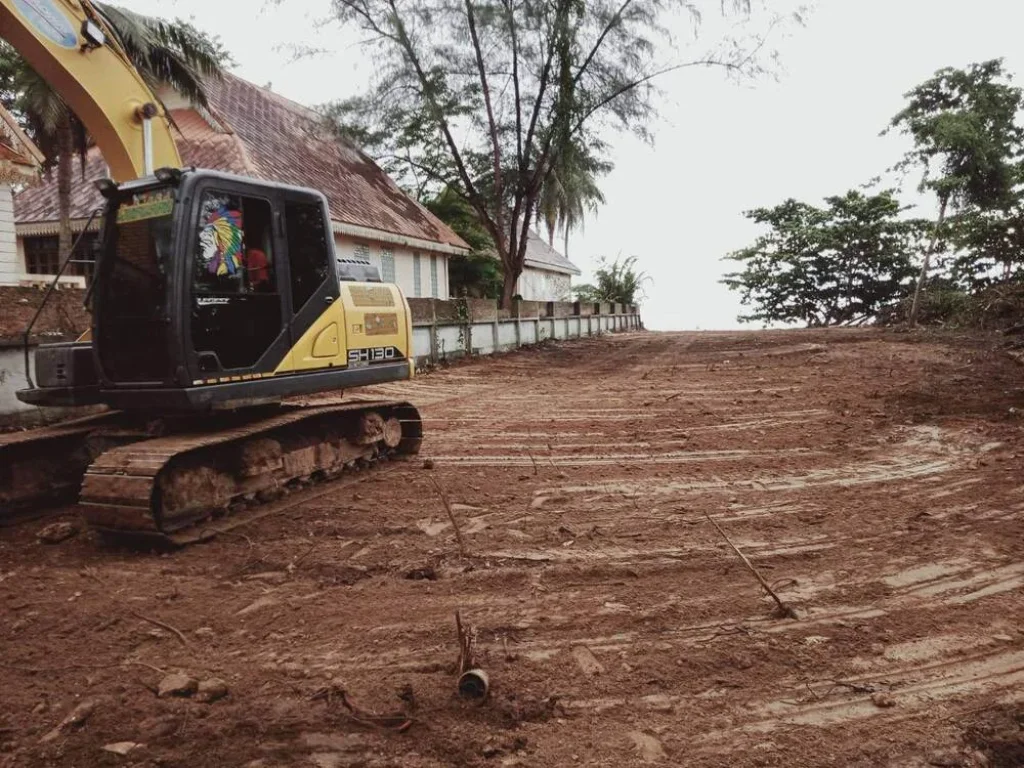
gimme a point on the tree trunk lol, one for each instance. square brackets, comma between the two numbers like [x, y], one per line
[927, 261]
[65, 148]
[565, 251]
[508, 288]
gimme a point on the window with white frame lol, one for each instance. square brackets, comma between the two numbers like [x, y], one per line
[387, 265]
[433, 276]
[362, 252]
[417, 276]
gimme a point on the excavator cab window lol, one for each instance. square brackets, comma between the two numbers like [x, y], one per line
[308, 251]
[132, 291]
[236, 304]
[235, 246]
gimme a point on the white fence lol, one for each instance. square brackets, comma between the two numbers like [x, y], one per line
[435, 341]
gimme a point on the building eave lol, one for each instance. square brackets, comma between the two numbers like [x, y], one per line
[46, 228]
[545, 267]
[415, 243]
[26, 144]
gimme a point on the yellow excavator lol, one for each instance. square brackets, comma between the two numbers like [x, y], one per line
[215, 299]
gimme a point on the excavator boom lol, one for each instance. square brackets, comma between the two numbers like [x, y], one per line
[71, 47]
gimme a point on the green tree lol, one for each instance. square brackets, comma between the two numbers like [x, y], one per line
[966, 142]
[826, 266]
[174, 54]
[571, 191]
[478, 273]
[484, 97]
[988, 245]
[617, 281]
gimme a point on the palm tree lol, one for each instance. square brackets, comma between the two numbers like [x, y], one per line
[165, 53]
[617, 281]
[56, 131]
[571, 191]
[173, 54]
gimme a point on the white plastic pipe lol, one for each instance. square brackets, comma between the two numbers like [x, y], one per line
[147, 146]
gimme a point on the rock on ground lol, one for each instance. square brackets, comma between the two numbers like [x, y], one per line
[177, 684]
[55, 533]
[211, 690]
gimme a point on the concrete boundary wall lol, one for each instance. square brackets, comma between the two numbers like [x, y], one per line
[447, 330]
[442, 330]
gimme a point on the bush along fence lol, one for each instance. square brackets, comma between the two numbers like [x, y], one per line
[445, 330]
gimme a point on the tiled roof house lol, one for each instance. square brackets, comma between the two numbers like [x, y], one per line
[547, 274]
[254, 132]
[20, 163]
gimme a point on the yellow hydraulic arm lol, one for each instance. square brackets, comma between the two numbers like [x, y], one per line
[70, 46]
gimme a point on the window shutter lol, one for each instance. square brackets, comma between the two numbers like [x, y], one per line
[387, 265]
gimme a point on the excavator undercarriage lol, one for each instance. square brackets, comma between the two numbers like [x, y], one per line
[176, 480]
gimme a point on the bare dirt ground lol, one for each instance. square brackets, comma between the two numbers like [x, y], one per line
[873, 478]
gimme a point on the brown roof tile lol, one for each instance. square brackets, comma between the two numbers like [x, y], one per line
[265, 135]
[39, 202]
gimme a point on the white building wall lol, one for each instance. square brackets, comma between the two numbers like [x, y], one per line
[13, 272]
[541, 285]
[21, 263]
[351, 248]
[10, 265]
[12, 378]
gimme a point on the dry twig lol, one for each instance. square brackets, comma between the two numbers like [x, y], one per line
[783, 608]
[725, 630]
[295, 563]
[451, 516]
[399, 721]
[465, 644]
[533, 461]
[156, 622]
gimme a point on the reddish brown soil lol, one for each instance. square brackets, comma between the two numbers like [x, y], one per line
[874, 479]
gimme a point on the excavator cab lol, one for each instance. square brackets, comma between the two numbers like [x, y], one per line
[219, 291]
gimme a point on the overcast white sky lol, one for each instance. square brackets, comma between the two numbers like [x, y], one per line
[720, 148]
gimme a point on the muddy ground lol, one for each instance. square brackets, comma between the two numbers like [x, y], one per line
[874, 479]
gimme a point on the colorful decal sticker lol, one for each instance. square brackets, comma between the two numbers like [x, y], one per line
[220, 237]
[49, 21]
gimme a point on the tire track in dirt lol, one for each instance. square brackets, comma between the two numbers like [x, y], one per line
[580, 475]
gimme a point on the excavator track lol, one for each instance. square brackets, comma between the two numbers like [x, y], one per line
[187, 486]
[41, 467]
